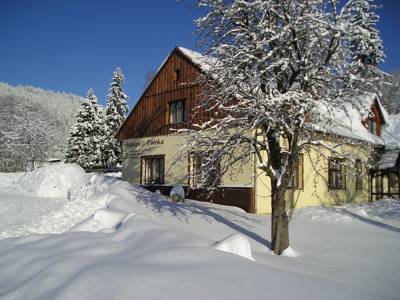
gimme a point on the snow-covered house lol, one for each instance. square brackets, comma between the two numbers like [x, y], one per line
[168, 102]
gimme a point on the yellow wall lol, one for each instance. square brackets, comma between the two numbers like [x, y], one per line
[315, 190]
[134, 149]
[176, 170]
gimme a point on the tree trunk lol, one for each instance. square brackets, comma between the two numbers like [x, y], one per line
[279, 219]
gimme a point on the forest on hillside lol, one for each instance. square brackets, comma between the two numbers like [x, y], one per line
[34, 124]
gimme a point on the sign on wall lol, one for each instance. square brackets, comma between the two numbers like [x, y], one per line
[133, 148]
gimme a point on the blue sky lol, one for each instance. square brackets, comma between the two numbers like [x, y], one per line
[72, 45]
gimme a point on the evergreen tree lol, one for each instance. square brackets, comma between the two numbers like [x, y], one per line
[116, 111]
[87, 137]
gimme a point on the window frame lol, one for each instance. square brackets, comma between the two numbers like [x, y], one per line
[379, 184]
[337, 170]
[372, 125]
[144, 168]
[177, 75]
[359, 181]
[174, 112]
[393, 182]
[297, 174]
[193, 174]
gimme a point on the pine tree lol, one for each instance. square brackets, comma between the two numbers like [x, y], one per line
[116, 111]
[87, 137]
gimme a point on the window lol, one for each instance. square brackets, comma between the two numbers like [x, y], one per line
[336, 174]
[177, 112]
[358, 175]
[296, 180]
[372, 125]
[176, 75]
[379, 183]
[152, 170]
[393, 183]
[196, 178]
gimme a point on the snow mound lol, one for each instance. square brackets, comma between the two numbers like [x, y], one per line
[235, 244]
[289, 252]
[177, 193]
[103, 219]
[52, 181]
[53, 199]
[92, 185]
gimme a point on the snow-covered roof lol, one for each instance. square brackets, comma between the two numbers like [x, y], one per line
[389, 159]
[348, 121]
[365, 103]
[202, 61]
[391, 132]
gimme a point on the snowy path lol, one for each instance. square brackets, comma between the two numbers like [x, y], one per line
[18, 208]
[22, 214]
[26, 208]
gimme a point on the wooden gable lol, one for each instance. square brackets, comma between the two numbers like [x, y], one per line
[174, 81]
[377, 116]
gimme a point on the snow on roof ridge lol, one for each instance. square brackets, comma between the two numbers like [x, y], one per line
[184, 49]
[203, 61]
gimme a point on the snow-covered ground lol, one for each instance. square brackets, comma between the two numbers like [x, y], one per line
[118, 241]
[39, 201]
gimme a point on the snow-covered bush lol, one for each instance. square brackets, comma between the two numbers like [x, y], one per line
[177, 193]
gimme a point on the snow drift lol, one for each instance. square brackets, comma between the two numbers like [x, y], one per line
[51, 199]
[127, 242]
[54, 180]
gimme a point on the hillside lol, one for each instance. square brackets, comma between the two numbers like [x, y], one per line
[34, 124]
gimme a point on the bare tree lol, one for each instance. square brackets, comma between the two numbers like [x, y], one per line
[32, 117]
[280, 68]
[29, 138]
[390, 90]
